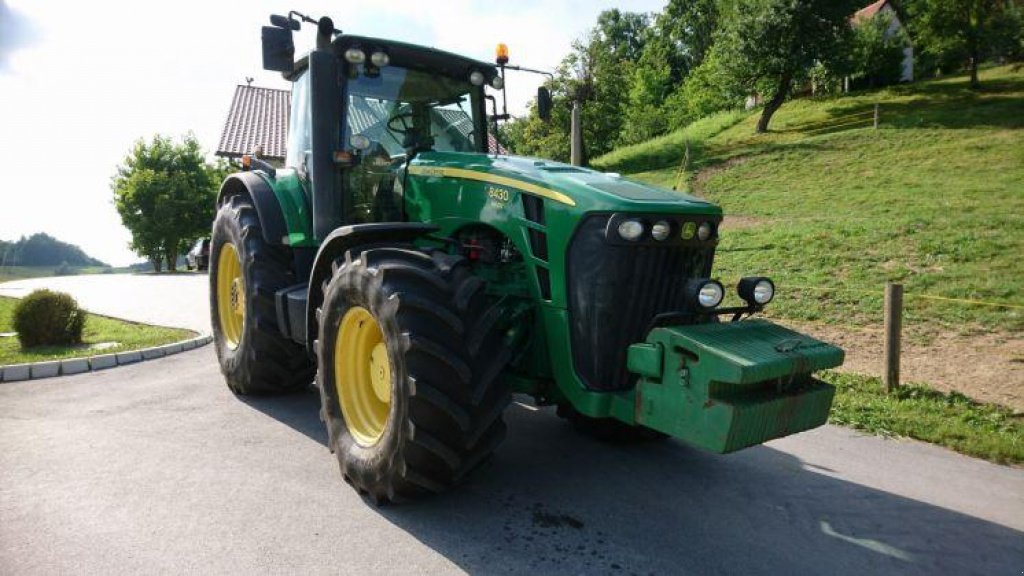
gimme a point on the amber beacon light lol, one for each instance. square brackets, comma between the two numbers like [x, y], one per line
[502, 54]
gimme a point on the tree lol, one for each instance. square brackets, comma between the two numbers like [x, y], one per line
[967, 30]
[650, 83]
[597, 72]
[876, 54]
[689, 27]
[165, 192]
[766, 45]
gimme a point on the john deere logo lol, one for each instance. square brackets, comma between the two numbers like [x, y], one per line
[689, 229]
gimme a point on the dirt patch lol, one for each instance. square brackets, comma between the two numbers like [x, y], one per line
[986, 367]
[705, 174]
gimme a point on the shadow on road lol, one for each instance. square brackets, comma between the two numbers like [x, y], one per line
[552, 502]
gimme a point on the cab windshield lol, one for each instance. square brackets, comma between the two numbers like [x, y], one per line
[397, 108]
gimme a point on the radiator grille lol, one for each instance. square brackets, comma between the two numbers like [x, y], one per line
[614, 291]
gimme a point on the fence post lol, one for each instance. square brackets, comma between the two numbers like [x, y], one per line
[876, 116]
[893, 329]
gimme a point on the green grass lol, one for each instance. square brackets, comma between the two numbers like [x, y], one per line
[952, 420]
[933, 199]
[98, 329]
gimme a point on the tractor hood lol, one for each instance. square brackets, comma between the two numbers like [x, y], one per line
[584, 189]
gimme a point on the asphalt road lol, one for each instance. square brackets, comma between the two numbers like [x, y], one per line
[158, 468]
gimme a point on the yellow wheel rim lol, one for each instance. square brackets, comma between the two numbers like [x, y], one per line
[230, 295]
[362, 376]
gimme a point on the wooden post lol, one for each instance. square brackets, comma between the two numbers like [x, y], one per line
[876, 116]
[576, 135]
[893, 328]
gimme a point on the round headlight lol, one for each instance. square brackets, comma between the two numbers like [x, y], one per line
[661, 230]
[355, 56]
[631, 230]
[498, 83]
[476, 78]
[756, 290]
[705, 231]
[710, 294]
[764, 291]
[380, 59]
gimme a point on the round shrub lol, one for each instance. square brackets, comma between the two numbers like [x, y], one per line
[45, 318]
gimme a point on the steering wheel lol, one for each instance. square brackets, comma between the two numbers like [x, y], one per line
[406, 120]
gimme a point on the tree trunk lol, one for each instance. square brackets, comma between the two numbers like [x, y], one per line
[975, 83]
[172, 260]
[157, 262]
[775, 103]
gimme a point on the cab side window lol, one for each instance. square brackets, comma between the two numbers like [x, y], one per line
[299, 123]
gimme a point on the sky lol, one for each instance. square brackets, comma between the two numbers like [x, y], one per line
[81, 81]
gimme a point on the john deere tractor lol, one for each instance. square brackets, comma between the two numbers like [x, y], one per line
[422, 277]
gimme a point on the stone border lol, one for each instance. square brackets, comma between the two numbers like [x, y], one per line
[51, 368]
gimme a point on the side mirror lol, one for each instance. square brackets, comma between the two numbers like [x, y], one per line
[284, 22]
[278, 49]
[544, 103]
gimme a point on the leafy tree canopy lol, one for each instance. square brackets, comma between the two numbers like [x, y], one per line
[164, 192]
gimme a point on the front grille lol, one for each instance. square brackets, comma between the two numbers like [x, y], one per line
[614, 291]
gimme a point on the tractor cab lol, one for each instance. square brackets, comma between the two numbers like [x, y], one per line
[363, 107]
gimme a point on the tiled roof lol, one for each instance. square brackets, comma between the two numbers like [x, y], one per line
[868, 11]
[258, 117]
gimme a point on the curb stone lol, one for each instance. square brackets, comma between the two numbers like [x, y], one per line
[74, 366]
[152, 353]
[16, 372]
[45, 369]
[69, 366]
[128, 357]
[103, 361]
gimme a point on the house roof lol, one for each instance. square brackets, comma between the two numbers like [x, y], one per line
[258, 117]
[869, 11]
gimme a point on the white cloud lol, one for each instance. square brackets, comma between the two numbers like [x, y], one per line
[98, 75]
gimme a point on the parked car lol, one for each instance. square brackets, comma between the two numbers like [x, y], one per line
[199, 256]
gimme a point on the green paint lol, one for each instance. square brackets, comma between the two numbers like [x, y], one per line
[726, 386]
[294, 199]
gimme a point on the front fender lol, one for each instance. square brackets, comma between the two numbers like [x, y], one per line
[251, 184]
[346, 238]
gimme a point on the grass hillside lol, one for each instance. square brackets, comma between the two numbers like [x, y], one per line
[832, 210]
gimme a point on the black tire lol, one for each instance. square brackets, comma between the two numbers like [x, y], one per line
[608, 429]
[445, 352]
[264, 362]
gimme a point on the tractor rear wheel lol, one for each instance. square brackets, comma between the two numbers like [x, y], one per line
[254, 357]
[408, 362]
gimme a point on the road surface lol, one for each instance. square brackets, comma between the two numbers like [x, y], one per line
[157, 468]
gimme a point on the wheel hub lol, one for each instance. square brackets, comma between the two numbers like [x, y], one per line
[237, 296]
[230, 295]
[362, 376]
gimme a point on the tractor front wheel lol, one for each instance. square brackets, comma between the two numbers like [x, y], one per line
[254, 357]
[409, 356]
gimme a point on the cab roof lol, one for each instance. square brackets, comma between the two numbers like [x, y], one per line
[408, 56]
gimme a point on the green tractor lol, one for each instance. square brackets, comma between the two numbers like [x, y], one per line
[422, 279]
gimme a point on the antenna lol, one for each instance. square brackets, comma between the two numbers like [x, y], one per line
[248, 81]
